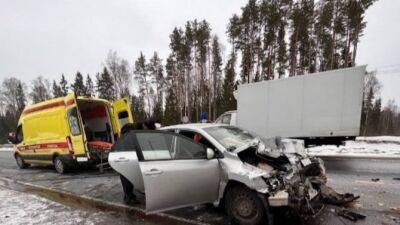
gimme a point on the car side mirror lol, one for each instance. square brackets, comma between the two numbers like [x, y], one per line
[12, 138]
[210, 153]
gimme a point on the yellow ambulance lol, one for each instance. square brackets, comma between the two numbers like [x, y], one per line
[68, 131]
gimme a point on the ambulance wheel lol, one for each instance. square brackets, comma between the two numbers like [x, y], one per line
[20, 162]
[59, 165]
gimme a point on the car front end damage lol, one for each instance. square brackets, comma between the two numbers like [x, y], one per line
[290, 180]
[298, 188]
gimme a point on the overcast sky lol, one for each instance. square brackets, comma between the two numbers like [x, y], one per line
[56, 37]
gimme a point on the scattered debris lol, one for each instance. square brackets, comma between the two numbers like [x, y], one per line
[395, 209]
[375, 179]
[396, 178]
[353, 216]
[330, 196]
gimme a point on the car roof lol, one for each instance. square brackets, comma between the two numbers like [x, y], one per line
[193, 126]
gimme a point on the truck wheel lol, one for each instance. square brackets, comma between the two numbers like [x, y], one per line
[244, 207]
[20, 162]
[59, 165]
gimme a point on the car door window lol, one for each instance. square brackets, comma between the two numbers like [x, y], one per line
[198, 138]
[155, 146]
[168, 146]
[186, 149]
[125, 143]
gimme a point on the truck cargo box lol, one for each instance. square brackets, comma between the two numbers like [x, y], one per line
[326, 104]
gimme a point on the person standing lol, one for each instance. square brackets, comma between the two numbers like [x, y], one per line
[127, 186]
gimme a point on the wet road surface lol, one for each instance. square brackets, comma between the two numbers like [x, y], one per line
[378, 199]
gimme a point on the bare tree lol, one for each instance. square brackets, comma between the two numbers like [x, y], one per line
[40, 90]
[120, 73]
[12, 97]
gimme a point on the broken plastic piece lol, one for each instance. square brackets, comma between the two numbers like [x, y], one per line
[330, 196]
[351, 215]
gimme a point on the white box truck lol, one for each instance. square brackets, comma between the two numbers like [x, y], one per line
[320, 108]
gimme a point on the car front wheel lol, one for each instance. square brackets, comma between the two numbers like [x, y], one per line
[20, 162]
[244, 206]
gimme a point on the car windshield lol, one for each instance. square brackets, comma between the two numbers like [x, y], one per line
[230, 137]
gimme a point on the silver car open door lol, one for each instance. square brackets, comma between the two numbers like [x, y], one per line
[175, 171]
[124, 160]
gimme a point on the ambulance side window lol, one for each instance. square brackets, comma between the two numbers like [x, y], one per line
[123, 118]
[19, 137]
[74, 122]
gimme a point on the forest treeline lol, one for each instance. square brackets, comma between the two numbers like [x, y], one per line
[269, 39]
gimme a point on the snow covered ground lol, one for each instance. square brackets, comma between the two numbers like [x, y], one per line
[384, 146]
[380, 139]
[6, 149]
[23, 208]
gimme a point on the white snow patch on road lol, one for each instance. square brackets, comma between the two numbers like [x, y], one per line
[382, 139]
[6, 147]
[358, 149]
[21, 208]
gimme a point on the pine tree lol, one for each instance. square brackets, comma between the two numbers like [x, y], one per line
[295, 24]
[20, 97]
[57, 92]
[373, 125]
[156, 70]
[228, 100]
[105, 85]
[355, 12]
[89, 88]
[138, 108]
[171, 115]
[64, 85]
[78, 86]
[323, 30]
[145, 81]
[271, 19]
[216, 76]
[366, 110]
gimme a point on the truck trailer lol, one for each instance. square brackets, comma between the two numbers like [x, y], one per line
[319, 108]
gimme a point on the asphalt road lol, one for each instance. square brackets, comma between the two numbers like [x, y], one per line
[379, 199]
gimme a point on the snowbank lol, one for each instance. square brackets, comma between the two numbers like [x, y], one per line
[380, 139]
[6, 147]
[359, 148]
[23, 208]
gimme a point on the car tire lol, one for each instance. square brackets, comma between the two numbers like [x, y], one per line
[20, 162]
[243, 206]
[59, 165]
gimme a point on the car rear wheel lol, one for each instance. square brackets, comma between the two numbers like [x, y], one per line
[20, 162]
[244, 206]
[59, 165]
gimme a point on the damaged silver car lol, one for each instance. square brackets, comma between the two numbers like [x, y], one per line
[191, 164]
